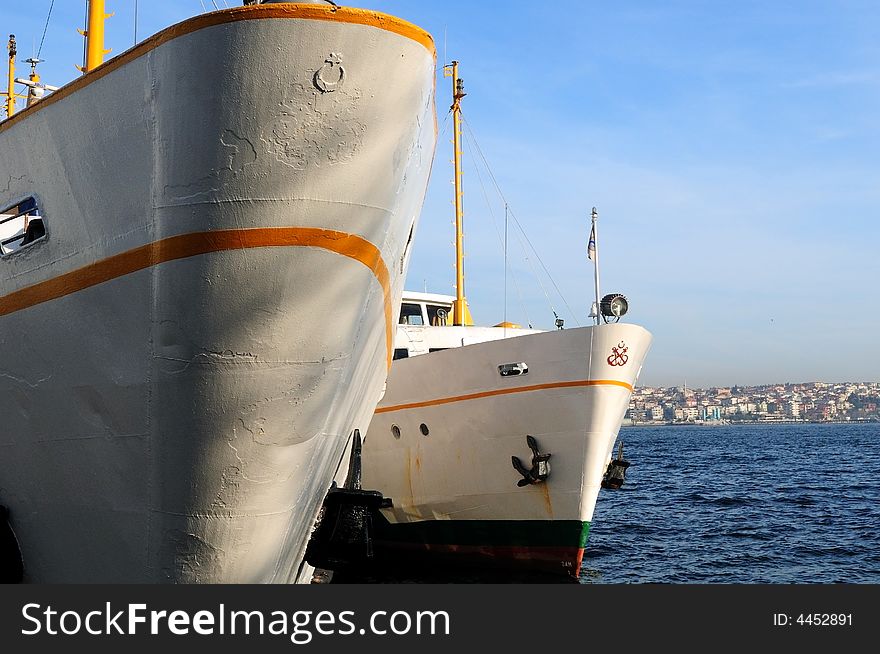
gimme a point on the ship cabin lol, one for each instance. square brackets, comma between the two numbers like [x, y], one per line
[426, 309]
[425, 326]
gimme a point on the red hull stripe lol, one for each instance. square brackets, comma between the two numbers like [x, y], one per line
[561, 561]
[553, 547]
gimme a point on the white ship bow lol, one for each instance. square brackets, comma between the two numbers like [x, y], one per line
[228, 211]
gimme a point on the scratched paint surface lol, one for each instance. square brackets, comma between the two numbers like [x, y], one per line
[182, 422]
[571, 401]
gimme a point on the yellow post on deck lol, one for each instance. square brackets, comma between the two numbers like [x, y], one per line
[94, 34]
[33, 93]
[461, 314]
[10, 90]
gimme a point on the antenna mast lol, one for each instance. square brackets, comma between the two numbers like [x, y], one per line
[35, 88]
[461, 314]
[10, 89]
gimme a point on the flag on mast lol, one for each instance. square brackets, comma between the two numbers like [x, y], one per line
[591, 246]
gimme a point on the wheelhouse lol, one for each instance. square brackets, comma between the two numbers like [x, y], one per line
[426, 309]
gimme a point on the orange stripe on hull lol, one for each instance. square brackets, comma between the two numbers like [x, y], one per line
[198, 243]
[507, 391]
[255, 12]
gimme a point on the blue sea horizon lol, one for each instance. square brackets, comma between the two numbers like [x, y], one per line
[746, 504]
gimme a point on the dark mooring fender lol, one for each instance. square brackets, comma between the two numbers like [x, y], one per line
[11, 564]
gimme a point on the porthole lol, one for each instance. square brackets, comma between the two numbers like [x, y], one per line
[395, 431]
[424, 429]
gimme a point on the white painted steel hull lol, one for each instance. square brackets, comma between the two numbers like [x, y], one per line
[454, 491]
[186, 353]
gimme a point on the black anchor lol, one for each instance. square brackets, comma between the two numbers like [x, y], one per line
[540, 465]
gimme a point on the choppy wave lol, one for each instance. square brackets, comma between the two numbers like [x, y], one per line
[744, 504]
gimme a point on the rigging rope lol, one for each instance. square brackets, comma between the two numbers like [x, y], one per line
[445, 58]
[42, 40]
[525, 236]
[441, 132]
[525, 254]
[516, 221]
[467, 142]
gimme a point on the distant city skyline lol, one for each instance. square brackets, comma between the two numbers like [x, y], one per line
[768, 403]
[812, 382]
[731, 151]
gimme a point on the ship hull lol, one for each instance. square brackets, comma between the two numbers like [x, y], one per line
[209, 317]
[531, 547]
[454, 491]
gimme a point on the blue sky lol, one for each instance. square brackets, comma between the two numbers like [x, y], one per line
[731, 149]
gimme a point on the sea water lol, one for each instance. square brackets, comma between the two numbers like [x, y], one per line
[741, 504]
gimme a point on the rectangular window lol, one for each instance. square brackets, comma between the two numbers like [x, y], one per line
[20, 225]
[411, 314]
[401, 353]
[438, 316]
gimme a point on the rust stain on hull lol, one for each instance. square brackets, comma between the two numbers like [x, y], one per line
[548, 504]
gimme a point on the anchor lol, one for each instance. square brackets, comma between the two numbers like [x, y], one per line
[618, 356]
[343, 537]
[540, 469]
[615, 474]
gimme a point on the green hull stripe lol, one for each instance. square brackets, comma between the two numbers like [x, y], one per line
[496, 533]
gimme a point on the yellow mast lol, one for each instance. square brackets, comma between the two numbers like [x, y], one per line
[461, 314]
[10, 90]
[94, 34]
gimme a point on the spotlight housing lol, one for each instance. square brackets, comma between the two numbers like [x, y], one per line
[613, 307]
